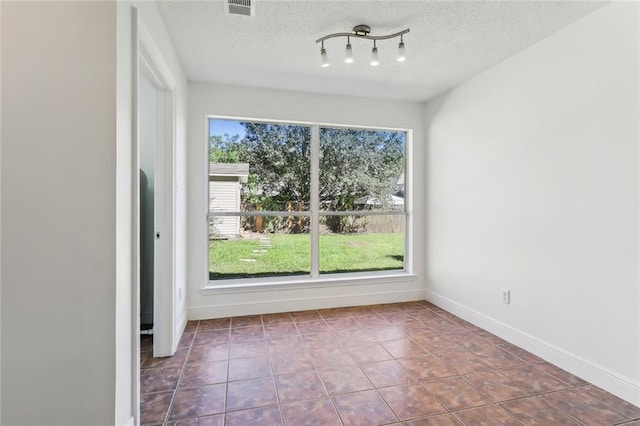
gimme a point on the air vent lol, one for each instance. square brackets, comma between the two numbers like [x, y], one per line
[240, 7]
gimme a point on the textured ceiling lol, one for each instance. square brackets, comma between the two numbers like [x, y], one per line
[449, 42]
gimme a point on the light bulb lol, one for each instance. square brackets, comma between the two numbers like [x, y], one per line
[401, 53]
[349, 55]
[375, 61]
[324, 58]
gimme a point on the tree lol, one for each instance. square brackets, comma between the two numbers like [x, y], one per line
[357, 164]
[353, 164]
[279, 158]
[225, 150]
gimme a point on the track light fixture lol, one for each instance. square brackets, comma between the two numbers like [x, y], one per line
[348, 59]
[362, 31]
[323, 57]
[401, 53]
[375, 60]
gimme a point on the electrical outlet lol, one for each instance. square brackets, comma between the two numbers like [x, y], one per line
[506, 296]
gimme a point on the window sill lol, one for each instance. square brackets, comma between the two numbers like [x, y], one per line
[296, 283]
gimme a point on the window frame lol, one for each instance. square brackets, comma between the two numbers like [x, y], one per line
[315, 278]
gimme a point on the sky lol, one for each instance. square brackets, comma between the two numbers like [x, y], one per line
[222, 127]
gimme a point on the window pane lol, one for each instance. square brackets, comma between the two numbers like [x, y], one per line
[361, 170]
[266, 167]
[258, 246]
[258, 166]
[364, 243]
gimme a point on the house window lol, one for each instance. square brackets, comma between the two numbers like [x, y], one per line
[304, 200]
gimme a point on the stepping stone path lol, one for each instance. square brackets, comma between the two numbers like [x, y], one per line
[265, 243]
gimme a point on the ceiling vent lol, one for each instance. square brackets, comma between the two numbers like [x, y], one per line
[240, 7]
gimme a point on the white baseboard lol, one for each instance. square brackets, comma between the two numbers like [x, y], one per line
[131, 422]
[182, 323]
[608, 380]
[303, 304]
[180, 326]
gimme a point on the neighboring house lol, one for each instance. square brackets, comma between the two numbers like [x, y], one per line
[224, 196]
[400, 185]
[395, 202]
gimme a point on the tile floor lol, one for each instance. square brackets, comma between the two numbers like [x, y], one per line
[399, 364]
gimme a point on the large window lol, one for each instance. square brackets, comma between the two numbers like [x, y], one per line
[304, 200]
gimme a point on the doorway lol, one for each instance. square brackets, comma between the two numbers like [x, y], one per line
[153, 214]
[155, 141]
[148, 138]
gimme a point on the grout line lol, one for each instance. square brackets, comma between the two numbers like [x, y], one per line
[184, 365]
[226, 385]
[273, 371]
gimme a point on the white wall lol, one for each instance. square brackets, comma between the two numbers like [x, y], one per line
[0, 219]
[125, 379]
[533, 186]
[58, 210]
[256, 103]
[67, 329]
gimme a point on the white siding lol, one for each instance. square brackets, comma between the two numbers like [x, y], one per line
[225, 196]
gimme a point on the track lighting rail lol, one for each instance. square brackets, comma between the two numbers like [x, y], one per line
[361, 31]
[367, 37]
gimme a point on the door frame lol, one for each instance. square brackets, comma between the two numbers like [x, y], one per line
[152, 65]
[146, 58]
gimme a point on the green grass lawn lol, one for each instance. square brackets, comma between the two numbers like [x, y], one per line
[289, 254]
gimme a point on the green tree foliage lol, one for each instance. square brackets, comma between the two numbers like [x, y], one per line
[358, 163]
[279, 159]
[354, 164]
[225, 150]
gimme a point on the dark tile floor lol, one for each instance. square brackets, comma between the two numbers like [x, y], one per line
[406, 363]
